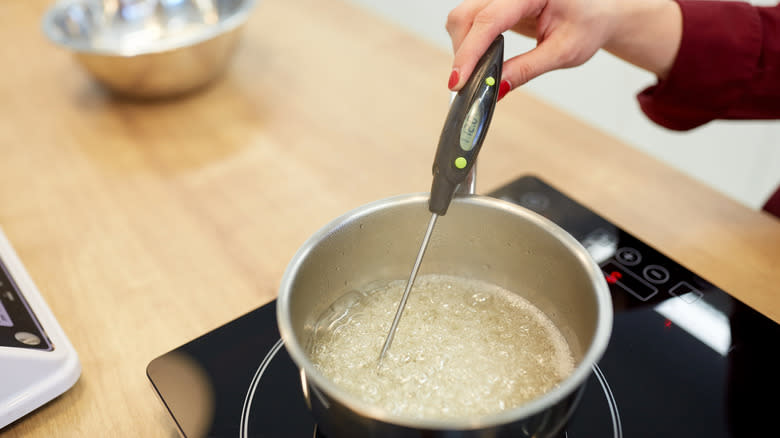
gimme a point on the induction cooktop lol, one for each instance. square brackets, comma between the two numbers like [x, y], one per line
[685, 359]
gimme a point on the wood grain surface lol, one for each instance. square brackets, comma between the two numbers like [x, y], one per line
[146, 225]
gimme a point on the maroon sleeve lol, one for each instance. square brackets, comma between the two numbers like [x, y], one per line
[772, 204]
[727, 67]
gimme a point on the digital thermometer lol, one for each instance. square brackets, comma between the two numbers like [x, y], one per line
[461, 138]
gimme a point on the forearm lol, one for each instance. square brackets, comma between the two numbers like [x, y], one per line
[648, 34]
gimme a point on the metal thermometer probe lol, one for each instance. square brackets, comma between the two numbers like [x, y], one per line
[461, 139]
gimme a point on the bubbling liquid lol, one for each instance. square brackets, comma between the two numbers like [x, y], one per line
[463, 347]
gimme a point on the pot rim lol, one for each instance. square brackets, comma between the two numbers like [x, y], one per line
[576, 379]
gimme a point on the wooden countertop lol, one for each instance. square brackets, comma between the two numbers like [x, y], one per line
[147, 225]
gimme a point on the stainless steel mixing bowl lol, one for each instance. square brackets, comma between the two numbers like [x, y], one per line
[480, 237]
[149, 48]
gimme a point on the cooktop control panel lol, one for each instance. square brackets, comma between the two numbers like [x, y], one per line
[638, 275]
[37, 361]
[628, 264]
[19, 328]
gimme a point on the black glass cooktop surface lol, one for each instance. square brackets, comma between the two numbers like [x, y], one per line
[685, 359]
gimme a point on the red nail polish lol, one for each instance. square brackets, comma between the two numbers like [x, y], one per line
[503, 88]
[453, 79]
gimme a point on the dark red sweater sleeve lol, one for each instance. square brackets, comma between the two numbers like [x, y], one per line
[727, 67]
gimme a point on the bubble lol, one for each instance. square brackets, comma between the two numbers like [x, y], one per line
[479, 297]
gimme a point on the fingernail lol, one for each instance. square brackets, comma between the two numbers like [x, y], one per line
[454, 76]
[503, 88]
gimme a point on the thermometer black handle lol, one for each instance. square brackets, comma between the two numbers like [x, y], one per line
[465, 128]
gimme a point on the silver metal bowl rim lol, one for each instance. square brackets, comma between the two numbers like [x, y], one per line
[235, 20]
[578, 377]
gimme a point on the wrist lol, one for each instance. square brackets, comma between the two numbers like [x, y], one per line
[647, 34]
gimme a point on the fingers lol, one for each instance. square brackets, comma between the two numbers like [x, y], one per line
[524, 67]
[474, 25]
[459, 20]
[561, 49]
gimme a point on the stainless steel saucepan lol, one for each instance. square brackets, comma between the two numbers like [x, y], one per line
[480, 237]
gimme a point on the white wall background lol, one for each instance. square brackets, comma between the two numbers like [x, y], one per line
[739, 158]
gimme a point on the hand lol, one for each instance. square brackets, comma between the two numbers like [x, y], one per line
[568, 33]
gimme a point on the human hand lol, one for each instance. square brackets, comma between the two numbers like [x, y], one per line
[568, 33]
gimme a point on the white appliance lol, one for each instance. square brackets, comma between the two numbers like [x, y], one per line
[37, 361]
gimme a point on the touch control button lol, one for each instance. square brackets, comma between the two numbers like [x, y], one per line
[623, 278]
[656, 274]
[686, 292]
[628, 256]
